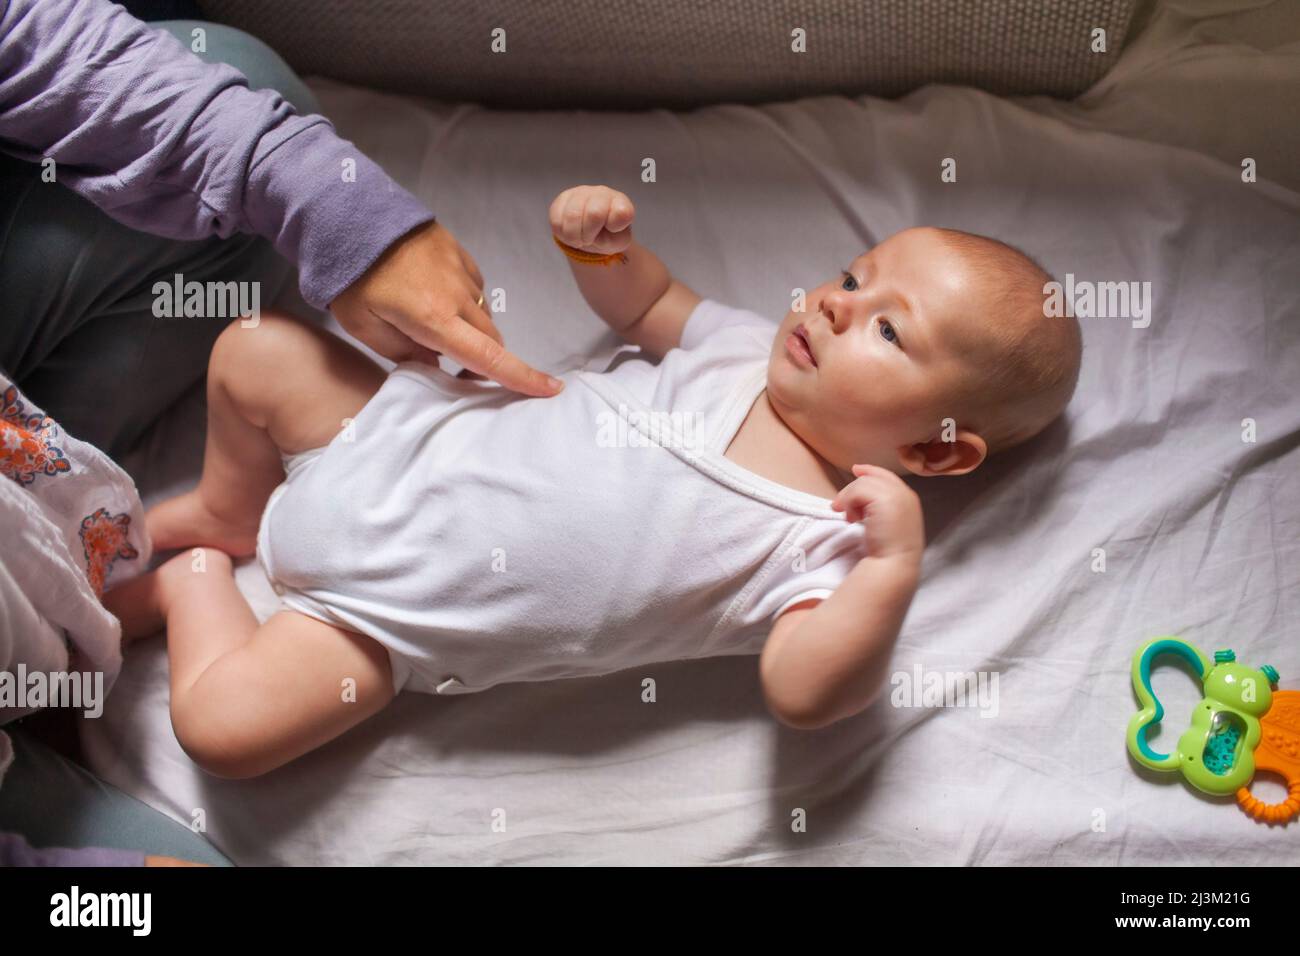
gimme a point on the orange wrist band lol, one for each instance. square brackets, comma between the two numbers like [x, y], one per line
[590, 258]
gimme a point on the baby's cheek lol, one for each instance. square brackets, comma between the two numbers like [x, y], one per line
[884, 406]
[858, 386]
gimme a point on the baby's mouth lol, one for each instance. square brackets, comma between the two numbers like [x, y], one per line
[801, 334]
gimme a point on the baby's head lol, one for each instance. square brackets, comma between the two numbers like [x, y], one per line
[931, 324]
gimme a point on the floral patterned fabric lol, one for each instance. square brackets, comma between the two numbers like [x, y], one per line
[71, 525]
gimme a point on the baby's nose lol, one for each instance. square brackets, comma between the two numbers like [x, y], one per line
[833, 310]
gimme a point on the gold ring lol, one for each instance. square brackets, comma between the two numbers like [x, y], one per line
[480, 300]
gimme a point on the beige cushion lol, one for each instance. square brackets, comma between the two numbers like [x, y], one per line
[680, 53]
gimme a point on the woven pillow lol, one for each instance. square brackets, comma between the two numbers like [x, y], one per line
[629, 54]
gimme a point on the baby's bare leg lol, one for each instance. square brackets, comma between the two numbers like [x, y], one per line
[280, 386]
[245, 698]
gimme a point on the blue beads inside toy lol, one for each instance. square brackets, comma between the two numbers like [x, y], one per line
[1226, 732]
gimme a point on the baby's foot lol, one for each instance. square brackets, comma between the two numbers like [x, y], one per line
[138, 605]
[187, 520]
[143, 603]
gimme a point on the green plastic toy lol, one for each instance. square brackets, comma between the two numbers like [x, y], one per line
[1216, 754]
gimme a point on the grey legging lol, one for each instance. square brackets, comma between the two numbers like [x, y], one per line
[77, 329]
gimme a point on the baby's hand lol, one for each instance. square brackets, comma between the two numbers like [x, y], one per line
[895, 527]
[593, 219]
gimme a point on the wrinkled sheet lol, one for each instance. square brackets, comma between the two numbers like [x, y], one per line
[1139, 180]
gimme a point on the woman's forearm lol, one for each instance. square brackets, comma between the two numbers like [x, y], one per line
[168, 144]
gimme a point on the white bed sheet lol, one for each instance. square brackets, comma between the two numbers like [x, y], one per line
[1199, 527]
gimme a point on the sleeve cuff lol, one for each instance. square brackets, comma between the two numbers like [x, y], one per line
[329, 208]
[818, 594]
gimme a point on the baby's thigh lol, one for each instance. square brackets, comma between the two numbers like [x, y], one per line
[296, 685]
[297, 381]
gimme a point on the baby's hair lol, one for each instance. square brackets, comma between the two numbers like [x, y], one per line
[1024, 365]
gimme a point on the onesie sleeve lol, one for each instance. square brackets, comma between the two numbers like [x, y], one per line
[815, 562]
[710, 315]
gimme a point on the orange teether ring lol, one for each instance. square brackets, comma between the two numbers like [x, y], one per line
[1278, 752]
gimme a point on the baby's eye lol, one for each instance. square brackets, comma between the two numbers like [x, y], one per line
[848, 283]
[887, 332]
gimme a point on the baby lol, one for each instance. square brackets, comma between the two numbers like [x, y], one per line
[435, 533]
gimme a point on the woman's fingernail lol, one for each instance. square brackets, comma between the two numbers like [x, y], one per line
[555, 383]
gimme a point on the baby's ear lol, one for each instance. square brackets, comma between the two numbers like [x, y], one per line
[960, 456]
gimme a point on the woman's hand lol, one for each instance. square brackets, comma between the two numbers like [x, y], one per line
[593, 219]
[422, 298]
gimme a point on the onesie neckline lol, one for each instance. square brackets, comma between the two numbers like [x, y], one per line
[743, 397]
[711, 459]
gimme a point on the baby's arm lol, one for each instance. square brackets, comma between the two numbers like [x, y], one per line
[636, 297]
[828, 661]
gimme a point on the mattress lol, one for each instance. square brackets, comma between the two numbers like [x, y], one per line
[1165, 502]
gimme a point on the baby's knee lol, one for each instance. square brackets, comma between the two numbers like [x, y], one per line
[201, 734]
[261, 352]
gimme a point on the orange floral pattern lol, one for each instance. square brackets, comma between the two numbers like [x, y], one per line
[104, 540]
[27, 442]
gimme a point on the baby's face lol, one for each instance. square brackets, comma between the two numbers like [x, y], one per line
[867, 367]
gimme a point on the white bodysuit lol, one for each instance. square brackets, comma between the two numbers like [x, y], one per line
[483, 537]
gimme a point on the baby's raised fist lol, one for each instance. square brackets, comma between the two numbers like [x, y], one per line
[593, 218]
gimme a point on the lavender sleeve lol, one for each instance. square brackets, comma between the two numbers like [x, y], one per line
[16, 851]
[174, 146]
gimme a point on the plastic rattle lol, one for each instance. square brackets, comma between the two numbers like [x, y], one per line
[1240, 726]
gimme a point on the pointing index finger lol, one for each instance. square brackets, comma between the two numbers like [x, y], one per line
[479, 353]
